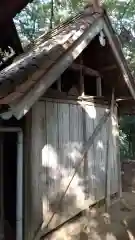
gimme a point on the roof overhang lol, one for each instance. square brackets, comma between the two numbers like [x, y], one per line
[117, 50]
[22, 105]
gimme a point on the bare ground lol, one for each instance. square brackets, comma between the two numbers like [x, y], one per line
[95, 224]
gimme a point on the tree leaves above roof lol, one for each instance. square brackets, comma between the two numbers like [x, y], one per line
[35, 19]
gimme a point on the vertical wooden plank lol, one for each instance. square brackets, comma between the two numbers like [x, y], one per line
[109, 156]
[104, 137]
[112, 160]
[42, 141]
[85, 166]
[96, 158]
[80, 124]
[82, 90]
[27, 178]
[98, 145]
[117, 167]
[76, 144]
[90, 114]
[97, 151]
[63, 139]
[36, 163]
[101, 145]
[113, 157]
[50, 179]
[118, 172]
[1, 189]
[34, 172]
[75, 129]
[63, 132]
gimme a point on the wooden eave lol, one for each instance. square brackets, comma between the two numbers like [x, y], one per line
[117, 49]
[26, 80]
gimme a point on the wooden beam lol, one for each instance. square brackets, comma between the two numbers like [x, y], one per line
[115, 45]
[108, 68]
[86, 70]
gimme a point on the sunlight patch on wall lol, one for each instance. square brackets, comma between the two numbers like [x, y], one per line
[48, 153]
[100, 145]
[115, 131]
[74, 151]
[89, 109]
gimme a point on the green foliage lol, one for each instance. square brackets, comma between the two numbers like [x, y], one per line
[32, 20]
[37, 17]
[122, 14]
[127, 137]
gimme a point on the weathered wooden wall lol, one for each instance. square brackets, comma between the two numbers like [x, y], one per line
[58, 132]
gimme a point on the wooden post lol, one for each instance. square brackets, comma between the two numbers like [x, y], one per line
[85, 168]
[1, 191]
[82, 91]
[108, 153]
[59, 84]
[99, 86]
[119, 165]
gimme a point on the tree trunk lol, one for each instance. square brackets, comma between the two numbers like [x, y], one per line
[52, 14]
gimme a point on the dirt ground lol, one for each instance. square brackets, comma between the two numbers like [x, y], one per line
[95, 224]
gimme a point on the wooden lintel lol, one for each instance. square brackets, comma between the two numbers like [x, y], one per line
[82, 90]
[108, 68]
[55, 95]
[86, 70]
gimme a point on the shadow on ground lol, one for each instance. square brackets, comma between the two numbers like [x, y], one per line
[95, 224]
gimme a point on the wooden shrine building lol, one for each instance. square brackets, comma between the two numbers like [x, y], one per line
[59, 125]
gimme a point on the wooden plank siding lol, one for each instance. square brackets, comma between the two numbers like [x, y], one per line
[58, 132]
